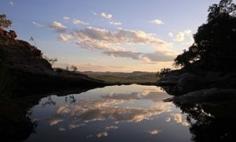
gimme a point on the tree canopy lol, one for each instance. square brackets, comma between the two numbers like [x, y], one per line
[214, 43]
[4, 22]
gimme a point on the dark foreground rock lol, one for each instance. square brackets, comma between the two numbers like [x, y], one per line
[24, 71]
[182, 82]
[213, 95]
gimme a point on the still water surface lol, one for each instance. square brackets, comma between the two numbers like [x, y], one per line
[116, 114]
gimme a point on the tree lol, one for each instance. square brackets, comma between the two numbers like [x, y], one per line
[164, 71]
[224, 7]
[52, 60]
[214, 43]
[4, 22]
[73, 68]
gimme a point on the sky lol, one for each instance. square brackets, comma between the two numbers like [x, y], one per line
[108, 35]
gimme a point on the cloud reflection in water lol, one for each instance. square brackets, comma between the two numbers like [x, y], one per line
[110, 107]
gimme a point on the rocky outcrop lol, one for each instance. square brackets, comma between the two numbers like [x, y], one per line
[23, 69]
[179, 83]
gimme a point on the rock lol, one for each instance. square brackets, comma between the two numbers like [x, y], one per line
[189, 82]
[178, 84]
[206, 96]
[24, 71]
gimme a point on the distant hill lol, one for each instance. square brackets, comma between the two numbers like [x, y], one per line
[124, 78]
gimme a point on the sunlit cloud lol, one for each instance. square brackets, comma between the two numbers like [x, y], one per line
[106, 15]
[79, 22]
[157, 22]
[63, 110]
[146, 57]
[37, 24]
[180, 119]
[55, 122]
[154, 132]
[65, 37]
[102, 134]
[115, 23]
[66, 18]
[114, 43]
[170, 34]
[183, 36]
[58, 26]
[109, 106]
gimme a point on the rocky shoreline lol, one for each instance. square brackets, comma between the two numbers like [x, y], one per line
[204, 87]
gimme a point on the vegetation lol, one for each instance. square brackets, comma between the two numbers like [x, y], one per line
[4, 22]
[125, 78]
[214, 43]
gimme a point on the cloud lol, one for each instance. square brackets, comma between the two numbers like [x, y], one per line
[53, 122]
[146, 57]
[94, 13]
[180, 119]
[11, 3]
[58, 26]
[182, 36]
[106, 15]
[115, 23]
[65, 37]
[78, 22]
[37, 24]
[157, 22]
[120, 43]
[154, 132]
[66, 18]
[102, 134]
[170, 34]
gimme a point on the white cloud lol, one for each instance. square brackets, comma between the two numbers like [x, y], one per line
[121, 43]
[157, 22]
[58, 26]
[106, 15]
[115, 23]
[65, 37]
[66, 18]
[171, 34]
[37, 24]
[183, 36]
[78, 21]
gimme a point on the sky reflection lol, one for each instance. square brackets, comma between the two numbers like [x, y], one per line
[107, 112]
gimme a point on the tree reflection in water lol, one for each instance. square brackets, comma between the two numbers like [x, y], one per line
[214, 121]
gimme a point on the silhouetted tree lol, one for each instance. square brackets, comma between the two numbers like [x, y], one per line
[4, 22]
[164, 71]
[214, 43]
[73, 68]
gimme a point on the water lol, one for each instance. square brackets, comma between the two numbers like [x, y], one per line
[115, 113]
